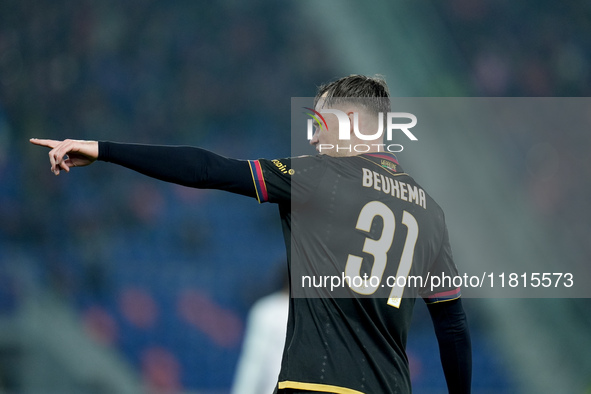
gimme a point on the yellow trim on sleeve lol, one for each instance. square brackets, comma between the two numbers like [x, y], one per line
[254, 181]
[325, 388]
[440, 301]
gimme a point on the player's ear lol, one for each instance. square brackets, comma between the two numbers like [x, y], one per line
[351, 117]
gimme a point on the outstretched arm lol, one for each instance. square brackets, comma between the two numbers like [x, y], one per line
[188, 166]
[453, 336]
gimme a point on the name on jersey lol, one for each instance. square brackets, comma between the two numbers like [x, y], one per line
[393, 187]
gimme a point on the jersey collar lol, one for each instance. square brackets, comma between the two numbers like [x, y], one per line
[385, 159]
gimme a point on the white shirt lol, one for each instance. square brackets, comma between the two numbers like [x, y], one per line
[262, 350]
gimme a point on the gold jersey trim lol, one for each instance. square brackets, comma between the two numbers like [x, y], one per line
[325, 388]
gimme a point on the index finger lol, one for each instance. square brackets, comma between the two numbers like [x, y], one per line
[48, 143]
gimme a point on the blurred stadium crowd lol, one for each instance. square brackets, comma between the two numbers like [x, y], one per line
[167, 274]
[519, 50]
[137, 258]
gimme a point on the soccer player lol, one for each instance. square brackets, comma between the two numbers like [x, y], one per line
[345, 215]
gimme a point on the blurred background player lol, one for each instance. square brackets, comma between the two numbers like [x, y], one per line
[264, 339]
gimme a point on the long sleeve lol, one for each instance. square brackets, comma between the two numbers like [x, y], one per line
[188, 166]
[453, 336]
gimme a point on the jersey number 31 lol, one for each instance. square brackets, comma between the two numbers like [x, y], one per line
[379, 250]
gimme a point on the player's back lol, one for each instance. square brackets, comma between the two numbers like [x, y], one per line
[361, 218]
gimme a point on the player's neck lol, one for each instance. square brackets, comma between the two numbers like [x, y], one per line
[369, 147]
[357, 147]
